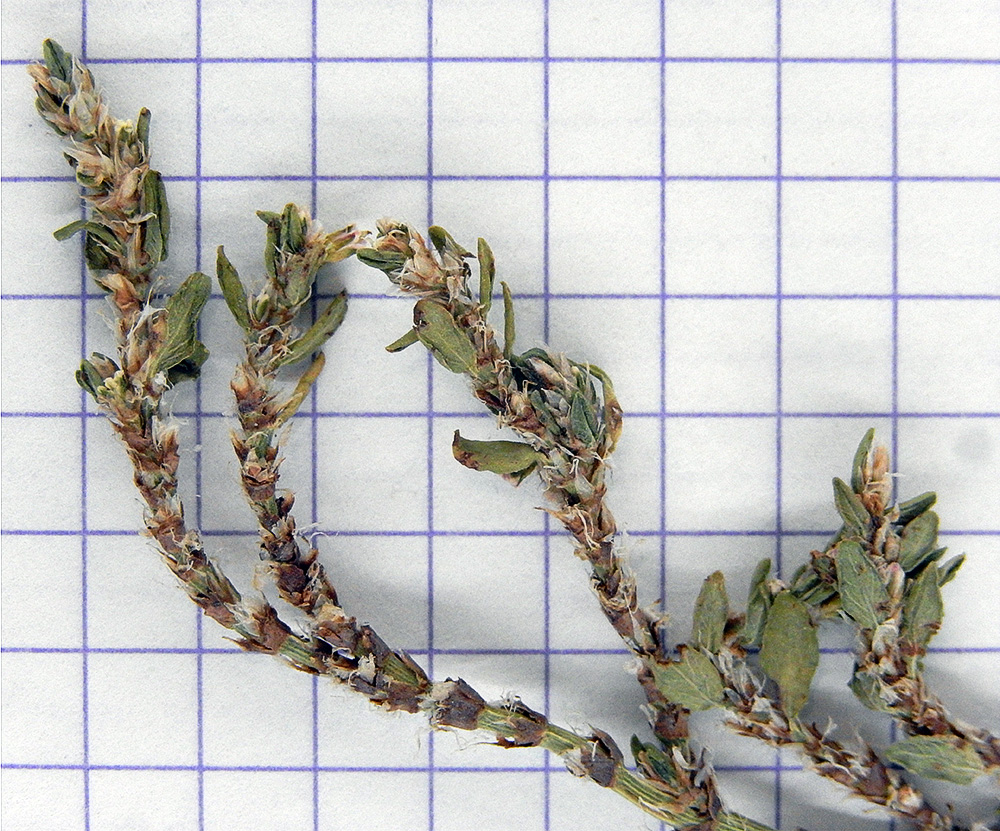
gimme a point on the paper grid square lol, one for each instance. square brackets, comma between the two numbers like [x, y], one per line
[550, 128]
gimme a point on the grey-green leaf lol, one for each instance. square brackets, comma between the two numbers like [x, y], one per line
[923, 608]
[439, 332]
[180, 343]
[58, 61]
[860, 458]
[487, 274]
[316, 335]
[507, 458]
[918, 540]
[758, 602]
[863, 595]
[789, 651]
[509, 330]
[912, 508]
[850, 508]
[157, 228]
[232, 289]
[693, 681]
[387, 261]
[402, 342]
[711, 611]
[582, 420]
[89, 378]
[868, 691]
[936, 758]
[947, 572]
[93, 229]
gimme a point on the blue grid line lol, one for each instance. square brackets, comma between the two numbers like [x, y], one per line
[348, 532]
[534, 177]
[546, 308]
[429, 363]
[541, 59]
[84, 573]
[313, 398]
[542, 651]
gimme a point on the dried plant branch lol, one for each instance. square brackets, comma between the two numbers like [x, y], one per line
[551, 402]
[881, 572]
[296, 249]
[158, 347]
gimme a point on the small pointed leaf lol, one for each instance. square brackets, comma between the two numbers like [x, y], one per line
[789, 651]
[232, 289]
[758, 602]
[157, 228]
[711, 611]
[507, 458]
[487, 274]
[923, 608]
[860, 458]
[581, 420]
[386, 261]
[316, 335]
[918, 540]
[693, 681]
[401, 343]
[89, 378]
[508, 321]
[868, 690]
[912, 508]
[949, 570]
[180, 344]
[936, 758]
[850, 508]
[445, 242]
[439, 332]
[306, 380]
[58, 61]
[863, 595]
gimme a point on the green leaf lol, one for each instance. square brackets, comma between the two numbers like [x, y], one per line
[292, 230]
[693, 681]
[316, 335]
[387, 261]
[157, 227]
[582, 420]
[100, 232]
[232, 289]
[439, 332]
[863, 595]
[949, 570]
[758, 602]
[487, 274]
[711, 611]
[860, 458]
[936, 758]
[58, 61]
[301, 390]
[180, 346]
[789, 651]
[401, 343]
[508, 321]
[655, 762]
[445, 242]
[508, 458]
[923, 608]
[912, 508]
[868, 690]
[918, 540]
[142, 128]
[89, 378]
[850, 508]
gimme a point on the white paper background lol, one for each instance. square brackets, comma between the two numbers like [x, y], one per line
[658, 252]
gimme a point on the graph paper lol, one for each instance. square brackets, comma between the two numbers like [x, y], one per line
[773, 222]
